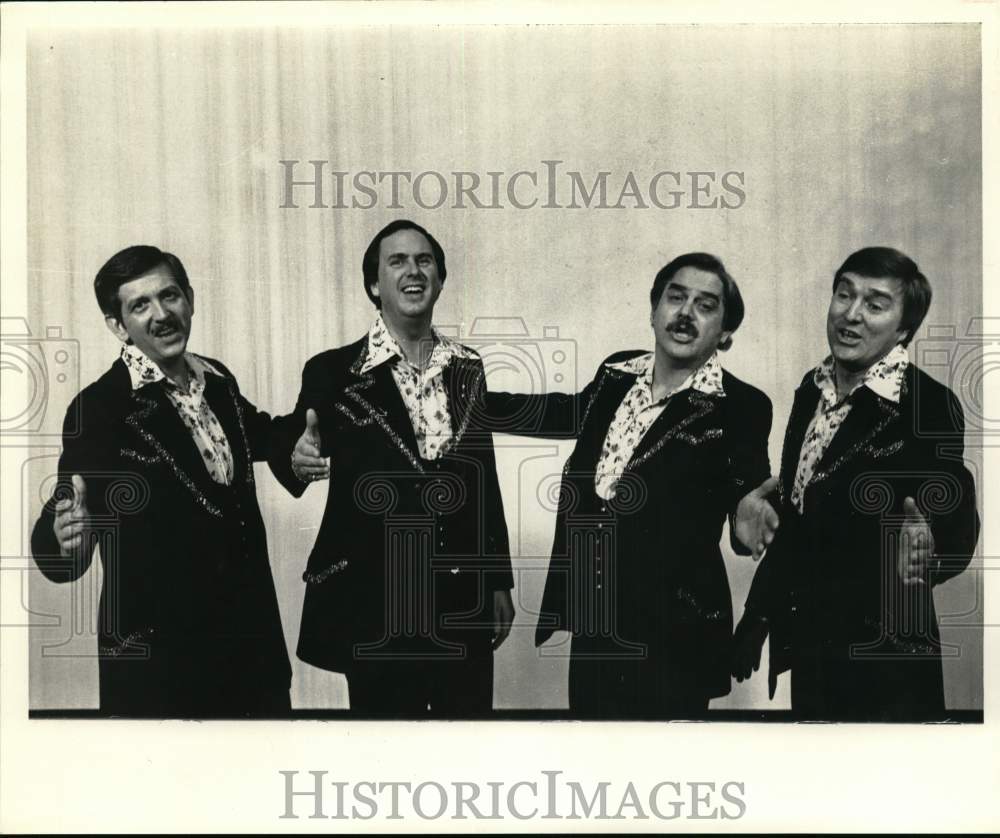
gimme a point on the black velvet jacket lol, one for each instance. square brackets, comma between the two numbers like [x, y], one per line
[188, 618]
[643, 574]
[409, 550]
[829, 583]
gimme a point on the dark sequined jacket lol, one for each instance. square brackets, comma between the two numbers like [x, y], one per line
[188, 618]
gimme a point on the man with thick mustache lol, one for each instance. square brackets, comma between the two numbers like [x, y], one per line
[668, 443]
[408, 584]
[876, 508]
[161, 478]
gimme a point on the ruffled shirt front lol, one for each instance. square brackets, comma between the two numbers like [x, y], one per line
[194, 410]
[638, 411]
[884, 377]
[422, 390]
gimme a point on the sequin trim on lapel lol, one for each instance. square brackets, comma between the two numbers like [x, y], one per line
[357, 420]
[703, 406]
[690, 439]
[606, 371]
[149, 407]
[890, 413]
[477, 389]
[248, 454]
[145, 459]
[373, 413]
[326, 573]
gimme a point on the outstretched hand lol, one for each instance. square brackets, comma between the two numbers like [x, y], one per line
[756, 522]
[916, 545]
[307, 464]
[72, 517]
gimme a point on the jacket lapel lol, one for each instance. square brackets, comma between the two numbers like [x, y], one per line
[222, 400]
[152, 418]
[598, 415]
[373, 398]
[464, 383]
[803, 409]
[869, 416]
[681, 412]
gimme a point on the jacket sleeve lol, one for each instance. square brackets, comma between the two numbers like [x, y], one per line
[546, 415]
[260, 430]
[749, 464]
[945, 490]
[499, 574]
[91, 455]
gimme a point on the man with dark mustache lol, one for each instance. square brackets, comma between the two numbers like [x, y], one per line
[408, 584]
[876, 508]
[160, 478]
[668, 444]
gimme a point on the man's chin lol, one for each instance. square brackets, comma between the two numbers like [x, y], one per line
[849, 361]
[172, 349]
[688, 360]
[415, 311]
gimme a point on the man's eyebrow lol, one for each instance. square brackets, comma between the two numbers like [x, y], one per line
[402, 254]
[700, 294]
[871, 292]
[878, 292]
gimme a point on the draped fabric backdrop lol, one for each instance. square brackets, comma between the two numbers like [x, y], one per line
[845, 136]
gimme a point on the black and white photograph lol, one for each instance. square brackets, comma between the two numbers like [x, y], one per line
[605, 390]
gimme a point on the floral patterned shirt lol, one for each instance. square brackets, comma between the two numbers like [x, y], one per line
[192, 406]
[638, 411]
[884, 377]
[422, 390]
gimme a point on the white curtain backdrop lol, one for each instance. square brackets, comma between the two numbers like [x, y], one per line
[845, 136]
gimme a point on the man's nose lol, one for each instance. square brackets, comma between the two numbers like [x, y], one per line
[687, 309]
[159, 311]
[853, 312]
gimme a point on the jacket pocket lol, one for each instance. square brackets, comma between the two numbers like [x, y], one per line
[319, 574]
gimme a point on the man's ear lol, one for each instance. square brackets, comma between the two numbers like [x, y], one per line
[725, 340]
[189, 293]
[116, 327]
[373, 288]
